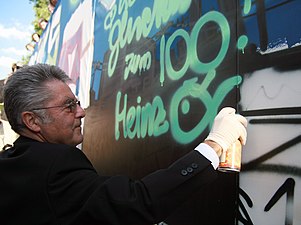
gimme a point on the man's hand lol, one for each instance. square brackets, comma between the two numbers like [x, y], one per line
[227, 128]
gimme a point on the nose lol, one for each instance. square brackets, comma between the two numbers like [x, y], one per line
[80, 112]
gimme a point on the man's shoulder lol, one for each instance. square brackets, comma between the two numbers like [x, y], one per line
[42, 149]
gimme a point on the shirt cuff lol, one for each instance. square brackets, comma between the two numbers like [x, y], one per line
[208, 153]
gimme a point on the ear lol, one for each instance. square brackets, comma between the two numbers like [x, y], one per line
[31, 121]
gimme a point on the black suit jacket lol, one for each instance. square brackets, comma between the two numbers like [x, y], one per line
[42, 183]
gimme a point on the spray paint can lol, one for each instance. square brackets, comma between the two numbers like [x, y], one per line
[230, 160]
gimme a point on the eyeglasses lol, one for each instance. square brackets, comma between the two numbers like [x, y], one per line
[71, 106]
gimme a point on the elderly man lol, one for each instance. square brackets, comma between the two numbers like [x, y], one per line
[45, 179]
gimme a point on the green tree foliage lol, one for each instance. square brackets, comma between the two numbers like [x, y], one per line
[40, 8]
[41, 11]
[25, 59]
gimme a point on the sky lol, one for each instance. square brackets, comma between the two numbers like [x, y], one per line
[16, 29]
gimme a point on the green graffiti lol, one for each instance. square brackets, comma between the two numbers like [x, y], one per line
[150, 119]
[247, 6]
[109, 19]
[192, 61]
[164, 10]
[242, 42]
[124, 5]
[224, 88]
[139, 121]
[243, 39]
[136, 63]
[191, 88]
[172, 73]
[221, 21]
[123, 29]
[162, 50]
[185, 92]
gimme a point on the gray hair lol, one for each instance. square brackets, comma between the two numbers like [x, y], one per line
[26, 90]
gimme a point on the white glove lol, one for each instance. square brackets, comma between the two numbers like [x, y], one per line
[227, 128]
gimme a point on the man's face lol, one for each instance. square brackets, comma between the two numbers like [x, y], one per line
[65, 125]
